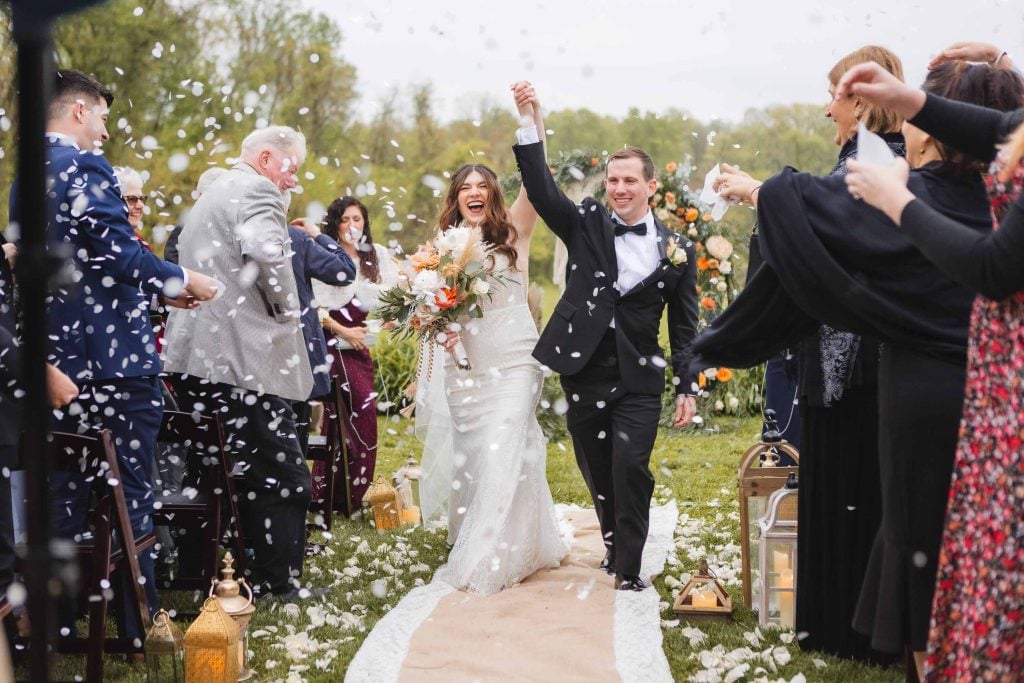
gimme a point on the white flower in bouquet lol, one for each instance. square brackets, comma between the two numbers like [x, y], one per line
[734, 403]
[453, 238]
[427, 282]
[719, 247]
[662, 214]
[481, 287]
[721, 286]
[724, 267]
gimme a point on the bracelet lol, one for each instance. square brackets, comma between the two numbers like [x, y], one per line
[753, 191]
[995, 62]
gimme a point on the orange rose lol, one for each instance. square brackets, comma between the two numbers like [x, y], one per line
[712, 263]
[424, 259]
[671, 167]
[724, 375]
[680, 212]
[670, 198]
[446, 298]
[691, 214]
[708, 303]
[594, 161]
[702, 381]
[706, 218]
[697, 246]
[702, 263]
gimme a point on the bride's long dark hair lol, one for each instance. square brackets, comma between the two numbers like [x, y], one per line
[496, 228]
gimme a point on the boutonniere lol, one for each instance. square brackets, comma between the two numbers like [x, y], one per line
[674, 253]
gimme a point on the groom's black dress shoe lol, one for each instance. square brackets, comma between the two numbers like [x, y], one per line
[608, 564]
[629, 583]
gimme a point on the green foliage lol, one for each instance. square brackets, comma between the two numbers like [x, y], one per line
[395, 358]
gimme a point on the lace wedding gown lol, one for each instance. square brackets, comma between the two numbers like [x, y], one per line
[487, 456]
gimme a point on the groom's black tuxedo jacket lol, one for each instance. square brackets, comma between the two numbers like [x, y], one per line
[583, 314]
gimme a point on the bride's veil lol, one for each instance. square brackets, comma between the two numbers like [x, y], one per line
[434, 429]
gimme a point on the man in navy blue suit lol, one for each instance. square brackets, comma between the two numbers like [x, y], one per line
[99, 325]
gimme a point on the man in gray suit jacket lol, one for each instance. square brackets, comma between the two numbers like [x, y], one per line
[243, 354]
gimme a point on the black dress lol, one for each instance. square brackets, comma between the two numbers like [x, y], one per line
[840, 503]
[831, 259]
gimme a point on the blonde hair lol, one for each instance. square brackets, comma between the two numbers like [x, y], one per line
[876, 119]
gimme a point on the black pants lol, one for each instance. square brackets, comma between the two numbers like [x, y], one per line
[260, 434]
[613, 433]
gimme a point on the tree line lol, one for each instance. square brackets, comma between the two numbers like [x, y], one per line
[192, 78]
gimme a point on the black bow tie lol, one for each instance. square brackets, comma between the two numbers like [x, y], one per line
[638, 229]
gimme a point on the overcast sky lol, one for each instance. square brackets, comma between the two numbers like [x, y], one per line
[714, 59]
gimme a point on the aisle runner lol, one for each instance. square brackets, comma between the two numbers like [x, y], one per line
[559, 624]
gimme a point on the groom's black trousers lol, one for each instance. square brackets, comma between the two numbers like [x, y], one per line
[613, 433]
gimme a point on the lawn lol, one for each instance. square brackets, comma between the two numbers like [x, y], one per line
[367, 573]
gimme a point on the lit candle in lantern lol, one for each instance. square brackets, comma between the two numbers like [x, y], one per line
[780, 560]
[706, 598]
[787, 611]
[411, 515]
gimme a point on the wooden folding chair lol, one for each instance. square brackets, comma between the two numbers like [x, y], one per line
[95, 459]
[206, 506]
[332, 450]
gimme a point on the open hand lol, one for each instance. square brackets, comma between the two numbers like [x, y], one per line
[686, 408]
[968, 51]
[872, 83]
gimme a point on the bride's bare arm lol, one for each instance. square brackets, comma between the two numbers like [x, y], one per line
[521, 213]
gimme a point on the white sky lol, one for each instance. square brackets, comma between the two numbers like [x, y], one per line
[714, 59]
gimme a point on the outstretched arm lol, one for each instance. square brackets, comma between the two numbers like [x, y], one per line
[558, 211]
[521, 213]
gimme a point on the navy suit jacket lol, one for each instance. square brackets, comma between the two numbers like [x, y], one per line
[324, 260]
[99, 323]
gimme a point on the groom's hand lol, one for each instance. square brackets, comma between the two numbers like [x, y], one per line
[686, 408]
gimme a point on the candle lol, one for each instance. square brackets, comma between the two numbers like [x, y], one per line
[786, 611]
[411, 515]
[705, 599]
[780, 560]
[785, 578]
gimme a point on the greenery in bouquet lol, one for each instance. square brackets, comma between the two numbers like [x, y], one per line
[439, 285]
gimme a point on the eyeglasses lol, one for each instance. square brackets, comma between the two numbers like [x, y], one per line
[136, 198]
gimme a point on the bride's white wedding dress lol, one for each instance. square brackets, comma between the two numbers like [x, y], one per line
[484, 453]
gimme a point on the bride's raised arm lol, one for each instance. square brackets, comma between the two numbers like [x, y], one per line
[521, 213]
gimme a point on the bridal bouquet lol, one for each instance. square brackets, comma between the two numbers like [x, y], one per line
[439, 284]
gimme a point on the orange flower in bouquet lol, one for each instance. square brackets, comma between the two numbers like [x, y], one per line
[708, 303]
[723, 375]
[671, 167]
[691, 214]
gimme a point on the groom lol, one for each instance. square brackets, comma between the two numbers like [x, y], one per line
[624, 268]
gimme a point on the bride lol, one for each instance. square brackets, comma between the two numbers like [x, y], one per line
[484, 453]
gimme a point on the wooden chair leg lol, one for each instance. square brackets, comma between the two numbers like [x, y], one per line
[98, 607]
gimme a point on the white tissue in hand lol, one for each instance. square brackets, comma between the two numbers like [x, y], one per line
[871, 148]
[719, 204]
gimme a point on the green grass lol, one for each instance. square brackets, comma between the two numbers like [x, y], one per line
[367, 573]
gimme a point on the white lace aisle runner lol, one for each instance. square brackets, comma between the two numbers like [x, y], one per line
[560, 624]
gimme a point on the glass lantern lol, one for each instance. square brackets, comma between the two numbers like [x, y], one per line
[760, 474]
[165, 653]
[228, 592]
[703, 598]
[778, 543]
[211, 646]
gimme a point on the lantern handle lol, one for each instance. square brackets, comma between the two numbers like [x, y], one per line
[245, 584]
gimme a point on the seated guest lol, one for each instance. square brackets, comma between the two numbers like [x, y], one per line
[343, 313]
[243, 355]
[99, 327]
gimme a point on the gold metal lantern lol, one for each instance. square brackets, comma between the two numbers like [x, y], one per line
[778, 530]
[165, 651]
[211, 646]
[759, 476]
[386, 504]
[228, 592]
[703, 598]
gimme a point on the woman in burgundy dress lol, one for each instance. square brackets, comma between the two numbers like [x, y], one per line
[977, 629]
[343, 312]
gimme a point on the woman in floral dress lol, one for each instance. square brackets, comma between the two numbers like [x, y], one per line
[977, 630]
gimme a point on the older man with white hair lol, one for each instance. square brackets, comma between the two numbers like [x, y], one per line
[242, 355]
